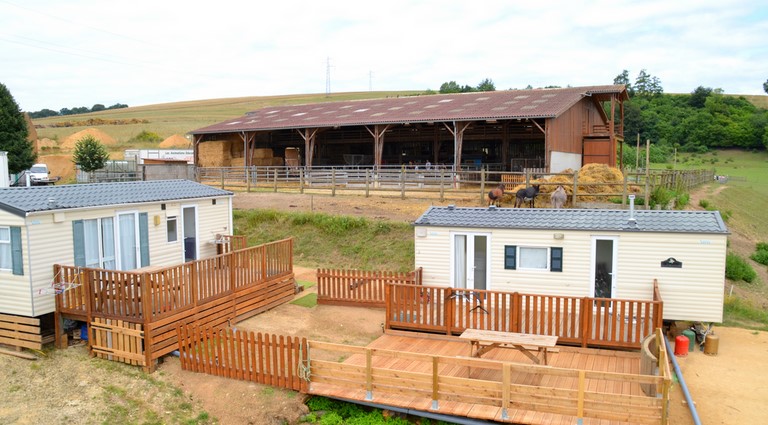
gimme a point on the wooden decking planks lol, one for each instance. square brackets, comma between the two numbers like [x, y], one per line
[561, 357]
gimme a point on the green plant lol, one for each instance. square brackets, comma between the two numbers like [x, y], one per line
[704, 203]
[331, 418]
[661, 196]
[309, 301]
[681, 200]
[90, 154]
[736, 268]
[146, 136]
[742, 313]
[760, 257]
[761, 246]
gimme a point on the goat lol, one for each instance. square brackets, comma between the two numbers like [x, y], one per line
[527, 194]
[495, 195]
[558, 197]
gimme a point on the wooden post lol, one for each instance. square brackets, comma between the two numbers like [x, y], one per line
[442, 189]
[586, 320]
[146, 321]
[515, 312]
[368, 374]
[247, 179]
[222, 177]
[435, 382]
[580, 403]
[624, 193]
[482, 185]
[449, 311]
[402, 182]
[387, 305]
[301, 180]
[367, 183]
[333, 182]
[575, 188]
[506, 381]
[275, 179]
[647, 173]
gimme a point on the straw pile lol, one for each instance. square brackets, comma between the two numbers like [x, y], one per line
[175, 141]
[105, 139]
[587, 176]
[262, 157]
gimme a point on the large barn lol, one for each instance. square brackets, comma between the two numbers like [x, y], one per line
[511, 130]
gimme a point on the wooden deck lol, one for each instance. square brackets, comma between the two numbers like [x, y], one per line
[602, 385]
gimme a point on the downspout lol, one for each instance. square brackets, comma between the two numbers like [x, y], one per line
[421, 413]
[688, 398]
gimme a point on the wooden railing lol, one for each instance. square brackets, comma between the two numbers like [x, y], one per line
[358, 287]
[148, 304]
[581, 321]
[262, 358]
[428, 377]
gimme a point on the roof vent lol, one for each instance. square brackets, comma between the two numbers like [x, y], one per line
[52, 203]
[450, 207]
[492, 207]
[632, 221]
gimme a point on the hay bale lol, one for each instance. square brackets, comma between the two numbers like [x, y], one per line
[262, 153]
[278, 161]
[237, 162]
[104, 138]
[262, 162]
[214, 153]
[175, 141]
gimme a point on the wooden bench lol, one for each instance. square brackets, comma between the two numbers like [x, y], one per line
[482, 341]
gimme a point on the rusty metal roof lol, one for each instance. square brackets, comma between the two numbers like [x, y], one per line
[494, 105]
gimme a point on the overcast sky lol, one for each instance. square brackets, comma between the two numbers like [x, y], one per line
[57, 54]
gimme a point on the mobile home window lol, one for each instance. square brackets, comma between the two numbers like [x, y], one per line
[5, 248]
[172, 229]
[533, 258]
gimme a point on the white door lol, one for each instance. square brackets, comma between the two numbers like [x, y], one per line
[470, 260]
[128, 240]
[604, 255]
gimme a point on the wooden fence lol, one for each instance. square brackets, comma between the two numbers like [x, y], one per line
[263, 358]
[429, 377]
[22, 332]
[584, 321]
[441, 182]
[359, 288]
[210, 292]
[286, 362]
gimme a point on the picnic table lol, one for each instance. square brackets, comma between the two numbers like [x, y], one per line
[482, 341]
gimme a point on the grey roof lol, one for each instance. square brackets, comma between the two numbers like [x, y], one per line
[575, 219]
[493, 105]
[24, 200]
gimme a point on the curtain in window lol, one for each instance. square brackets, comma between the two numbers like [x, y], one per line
[460, 261]
[533, 258]
[5, 248]
[127, 241]
[91, 239]
[108, 243]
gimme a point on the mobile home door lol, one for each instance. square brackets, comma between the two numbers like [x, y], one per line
[470, 260]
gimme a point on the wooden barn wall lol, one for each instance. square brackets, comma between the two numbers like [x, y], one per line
[566, 131]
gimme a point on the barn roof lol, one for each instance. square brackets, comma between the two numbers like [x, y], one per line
[575, 219]
[24, 200]
[493, 105]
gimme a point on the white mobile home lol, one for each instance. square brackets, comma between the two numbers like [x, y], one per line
[581, 253]
[117, 226]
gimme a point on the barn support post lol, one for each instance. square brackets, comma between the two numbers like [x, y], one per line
[457, 130]
[378, 142]
[482, 185]
[309, 136]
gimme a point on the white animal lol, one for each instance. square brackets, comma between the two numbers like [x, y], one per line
[558, 197]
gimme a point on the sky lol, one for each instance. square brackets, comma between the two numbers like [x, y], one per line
[64, 54]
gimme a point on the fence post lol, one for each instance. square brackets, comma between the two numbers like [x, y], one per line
[624, 193]
[442, 189]
[449, 311]
[367, 183]
[506, 380]
[275, 179]
[222, 177]
[575, 188]
[402, 183]
[333, 182]
[387, 305]
[368, 374]
[301, 180]
[586, 320]
[247, 179]
[146, 320]
[435, 389]
[515, 312]
[482, 185]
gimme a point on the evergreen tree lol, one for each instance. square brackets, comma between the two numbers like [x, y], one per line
[13, 134]
[486, 85]
[90, 154]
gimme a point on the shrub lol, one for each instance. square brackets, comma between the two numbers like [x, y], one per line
[761, 246]
[331, 418]
[736, 268]
[681, 200]
[147, 136]
[660, 196]
[760, 257]
[704, 203]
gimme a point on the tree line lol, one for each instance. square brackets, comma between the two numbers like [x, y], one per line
[698, 121]
[43, 113]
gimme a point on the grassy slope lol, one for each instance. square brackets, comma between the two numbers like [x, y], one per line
[168, 119]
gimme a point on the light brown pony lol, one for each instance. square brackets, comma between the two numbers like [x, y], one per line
[558, 197]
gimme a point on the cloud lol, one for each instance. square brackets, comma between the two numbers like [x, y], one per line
[78, 53]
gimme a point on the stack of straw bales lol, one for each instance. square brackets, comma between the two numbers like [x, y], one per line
[214, 153]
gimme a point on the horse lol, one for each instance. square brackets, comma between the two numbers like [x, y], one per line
[558, 197]
[495, 195]
[527, 194]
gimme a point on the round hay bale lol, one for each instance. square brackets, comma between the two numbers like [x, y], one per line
[176, 141]
[105, 139]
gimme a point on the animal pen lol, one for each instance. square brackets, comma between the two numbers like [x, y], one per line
[132, 316]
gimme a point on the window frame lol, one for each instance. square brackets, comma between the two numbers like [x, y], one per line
[554, 258]
[10, 253]
[175, 220]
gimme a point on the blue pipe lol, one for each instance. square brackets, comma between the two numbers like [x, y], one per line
[688, 399]
[436, 416]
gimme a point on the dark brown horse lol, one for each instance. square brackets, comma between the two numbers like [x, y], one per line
[495, 195]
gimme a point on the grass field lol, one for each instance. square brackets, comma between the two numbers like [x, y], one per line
[168, 119]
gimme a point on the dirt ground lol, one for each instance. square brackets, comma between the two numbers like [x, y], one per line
[66, 386]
